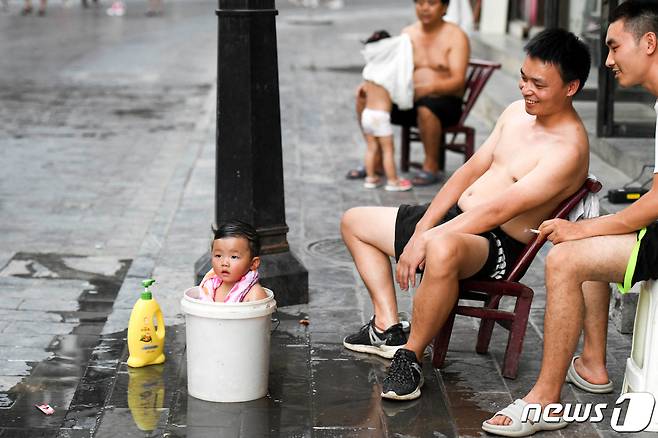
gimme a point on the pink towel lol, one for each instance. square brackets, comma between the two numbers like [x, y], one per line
[211, 283]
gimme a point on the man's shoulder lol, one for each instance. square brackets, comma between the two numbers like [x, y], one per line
[454, 29]
[514, 109]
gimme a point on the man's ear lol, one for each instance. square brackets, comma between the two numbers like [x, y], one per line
[572, 87]
[255, 263]
[650, 41]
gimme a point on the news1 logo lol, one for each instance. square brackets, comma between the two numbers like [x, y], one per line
[638, 412]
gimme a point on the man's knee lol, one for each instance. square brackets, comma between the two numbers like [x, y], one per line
[561, 257]
[425, 115]
[349, 220]
[442, 255]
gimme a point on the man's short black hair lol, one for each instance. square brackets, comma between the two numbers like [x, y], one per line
[639, 17]
[239, 229]
[564, 50]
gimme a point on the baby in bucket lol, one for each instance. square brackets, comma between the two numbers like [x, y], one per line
[234, 274]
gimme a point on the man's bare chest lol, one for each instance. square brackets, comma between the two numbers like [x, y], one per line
[432, 55]
[518, 154]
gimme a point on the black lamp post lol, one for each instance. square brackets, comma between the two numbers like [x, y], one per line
[249, 169]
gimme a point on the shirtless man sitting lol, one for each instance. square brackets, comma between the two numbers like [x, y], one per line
[478, 223]
[441, 52]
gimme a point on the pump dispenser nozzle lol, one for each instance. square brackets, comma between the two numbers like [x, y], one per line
[146, 295]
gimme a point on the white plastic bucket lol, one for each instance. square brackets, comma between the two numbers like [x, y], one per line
[228, 347]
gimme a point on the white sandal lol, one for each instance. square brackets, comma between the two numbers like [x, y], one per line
[517, 428]
[402, 185]
[372, 182]
[595, 388]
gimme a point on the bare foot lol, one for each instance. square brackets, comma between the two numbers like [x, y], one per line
[502, 420]
[499, 420]
[593, 374]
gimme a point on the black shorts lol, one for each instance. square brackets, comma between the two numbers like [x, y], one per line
[448, 109]
[503, 250]
[646, 266]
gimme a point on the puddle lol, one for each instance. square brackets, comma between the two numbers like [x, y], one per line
[92, 284]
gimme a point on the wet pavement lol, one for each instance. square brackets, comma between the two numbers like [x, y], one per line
[107, 148]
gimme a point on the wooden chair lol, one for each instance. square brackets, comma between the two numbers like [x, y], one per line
[477, 76]
[491, 291]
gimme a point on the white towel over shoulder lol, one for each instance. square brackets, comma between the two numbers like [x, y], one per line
[390, 64]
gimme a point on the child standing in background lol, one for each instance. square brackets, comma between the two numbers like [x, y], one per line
[388, 74]
[234, 274]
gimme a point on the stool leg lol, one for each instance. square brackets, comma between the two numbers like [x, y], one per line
[516, 336]
[469, 149]
[484, 335]
[442, 152]
[404, 148]
[486, 327]
[441, 341]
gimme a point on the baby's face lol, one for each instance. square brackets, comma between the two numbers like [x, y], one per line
[231, 258]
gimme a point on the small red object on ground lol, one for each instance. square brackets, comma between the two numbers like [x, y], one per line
[304, 321]
[45, 408]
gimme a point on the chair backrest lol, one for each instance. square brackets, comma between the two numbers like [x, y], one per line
[561, 212]
[478, 74]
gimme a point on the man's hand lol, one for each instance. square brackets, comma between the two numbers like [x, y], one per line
[423, 89]
[560, 230]
[411, 258]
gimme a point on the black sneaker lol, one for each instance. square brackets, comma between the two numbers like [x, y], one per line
[369, 340]
[404, 378]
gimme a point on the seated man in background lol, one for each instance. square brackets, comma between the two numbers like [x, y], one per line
[480, 220]
[441, 52]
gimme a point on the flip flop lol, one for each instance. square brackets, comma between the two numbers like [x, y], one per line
[402, 185]
[357, 173]
[372, 183]
[360, 173]
[595, 388]
[517, 428]
[425, 178]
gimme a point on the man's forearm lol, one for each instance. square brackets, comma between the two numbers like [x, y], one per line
[446, 198]
[479, 220]
[638, 215]
[447, 86]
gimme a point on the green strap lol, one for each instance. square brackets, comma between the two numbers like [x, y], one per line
[632, 261]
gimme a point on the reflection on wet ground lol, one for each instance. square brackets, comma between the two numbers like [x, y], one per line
[316, 388]
[66, 300]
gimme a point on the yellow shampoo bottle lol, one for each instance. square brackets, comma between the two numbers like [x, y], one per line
[146, 331]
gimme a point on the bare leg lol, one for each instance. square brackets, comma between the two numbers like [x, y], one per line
[591, 364]
[568, 266]
[372, 152]
[369, 233]
[27, 8]
[430, 134]
[42, 7]
[389, 159]
[449, 259]
[359, 106]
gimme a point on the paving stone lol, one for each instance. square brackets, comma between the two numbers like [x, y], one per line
[124, 140]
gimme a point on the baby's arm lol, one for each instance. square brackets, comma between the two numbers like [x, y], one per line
[255, 293]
